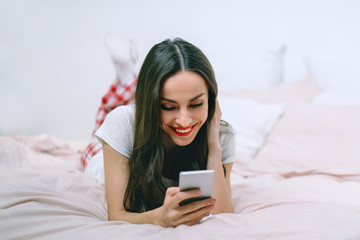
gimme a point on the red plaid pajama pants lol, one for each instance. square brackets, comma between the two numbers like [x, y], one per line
[117, 95]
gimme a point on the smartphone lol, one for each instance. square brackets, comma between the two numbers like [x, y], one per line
[202, 179]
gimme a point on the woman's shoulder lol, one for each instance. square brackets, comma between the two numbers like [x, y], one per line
[226, 128]
[128, 109]
[227, 142]
[121, 118]
[226, 134]
[117, 129]
[126, 112]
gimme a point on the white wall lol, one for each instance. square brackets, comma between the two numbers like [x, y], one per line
[54, 66]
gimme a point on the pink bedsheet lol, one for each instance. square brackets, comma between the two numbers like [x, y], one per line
[45, 195]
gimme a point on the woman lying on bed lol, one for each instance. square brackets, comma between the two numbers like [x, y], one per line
[174, 126]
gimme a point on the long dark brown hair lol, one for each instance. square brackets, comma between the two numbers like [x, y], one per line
[145, 189]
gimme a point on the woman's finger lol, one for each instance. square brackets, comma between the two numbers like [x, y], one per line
[171, 191]
[195, 217]
[183, 195]
[194, 206]
[218, 107]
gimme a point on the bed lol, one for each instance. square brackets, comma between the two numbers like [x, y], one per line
[297, 176]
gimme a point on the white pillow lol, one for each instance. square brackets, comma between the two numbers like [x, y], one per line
[328, 98]
[249, 68]
[336, 73]
[252, 121]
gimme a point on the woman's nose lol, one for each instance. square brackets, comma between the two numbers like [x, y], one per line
[183, 119]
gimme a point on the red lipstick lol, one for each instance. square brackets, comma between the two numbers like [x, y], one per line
[180, 131]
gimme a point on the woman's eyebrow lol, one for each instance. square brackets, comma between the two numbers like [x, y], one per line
[192, 99]
[196, 97]
[168, 100]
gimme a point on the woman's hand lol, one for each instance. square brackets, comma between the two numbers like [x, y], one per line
[213, 128]
[172, 215]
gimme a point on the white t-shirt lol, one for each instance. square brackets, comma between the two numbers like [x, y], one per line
[118, 132]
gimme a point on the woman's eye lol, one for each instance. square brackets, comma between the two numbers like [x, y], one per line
[196, 105]
[167, 108]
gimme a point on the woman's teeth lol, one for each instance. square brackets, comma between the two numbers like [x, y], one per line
[183, 131]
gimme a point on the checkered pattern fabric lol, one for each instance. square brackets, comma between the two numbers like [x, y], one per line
[117, 95]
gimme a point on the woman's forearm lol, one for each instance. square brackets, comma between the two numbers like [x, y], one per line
[148, 217]
[221, 189]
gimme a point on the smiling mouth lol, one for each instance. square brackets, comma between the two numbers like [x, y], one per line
[183, 131]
